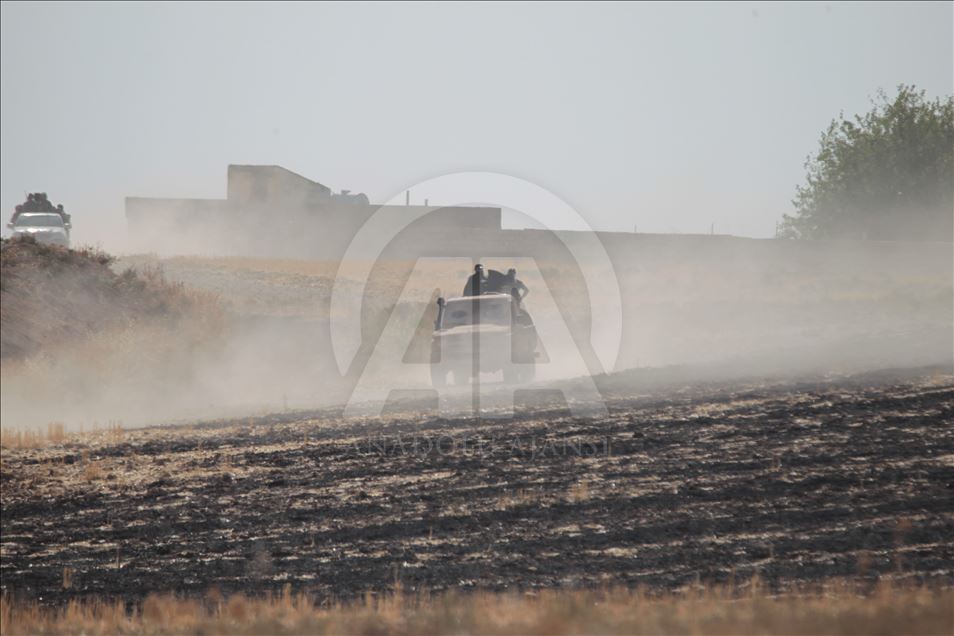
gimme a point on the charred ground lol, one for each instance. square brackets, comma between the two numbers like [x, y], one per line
[794, 481]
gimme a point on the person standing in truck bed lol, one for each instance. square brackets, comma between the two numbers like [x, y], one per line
[495, 282]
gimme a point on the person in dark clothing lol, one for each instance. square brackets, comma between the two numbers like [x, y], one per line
[519, 315]
[63, 215]
[495, 282]
[38, 202]
[475, 285]
[510, 284]
[500, 283]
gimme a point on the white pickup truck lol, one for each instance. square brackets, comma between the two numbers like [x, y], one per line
[45, 227]
[485, 333]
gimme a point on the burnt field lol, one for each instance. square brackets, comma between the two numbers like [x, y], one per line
[793, 481]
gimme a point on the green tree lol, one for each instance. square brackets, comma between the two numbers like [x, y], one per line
[887, 175]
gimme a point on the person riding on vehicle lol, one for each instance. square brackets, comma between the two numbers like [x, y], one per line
[39, 202]
[495, 282]
[475, 284]
[62, 212]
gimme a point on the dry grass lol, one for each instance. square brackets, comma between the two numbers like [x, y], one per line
[833, 609]
[54, 296]
[579, 491]
[92, 471]
[513, 499]
[115, 431]
[55, 433]
[68, 578]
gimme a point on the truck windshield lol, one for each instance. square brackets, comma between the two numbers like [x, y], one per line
[494, 311]
[39, 220]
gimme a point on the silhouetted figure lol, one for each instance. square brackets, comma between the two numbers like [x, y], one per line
[518, 314]
[63, 215]
[507, 283]
[475, 284]
[39, 202]
[495, 282]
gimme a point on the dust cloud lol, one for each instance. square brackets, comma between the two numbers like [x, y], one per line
[719, 306]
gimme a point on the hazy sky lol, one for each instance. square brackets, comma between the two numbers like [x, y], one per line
[670, 117]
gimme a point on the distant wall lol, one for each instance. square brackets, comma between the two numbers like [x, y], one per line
[282, 228]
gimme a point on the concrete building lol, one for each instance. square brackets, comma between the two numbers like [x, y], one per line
[271, 211]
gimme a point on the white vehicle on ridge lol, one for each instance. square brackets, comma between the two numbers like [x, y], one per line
[45, 227]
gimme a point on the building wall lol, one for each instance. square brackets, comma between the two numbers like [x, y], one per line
[259, 184]
[271, 211]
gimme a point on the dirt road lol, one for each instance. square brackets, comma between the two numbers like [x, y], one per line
[793, 481]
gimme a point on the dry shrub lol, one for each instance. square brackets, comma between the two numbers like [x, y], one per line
[79, 340]
[52, 296]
